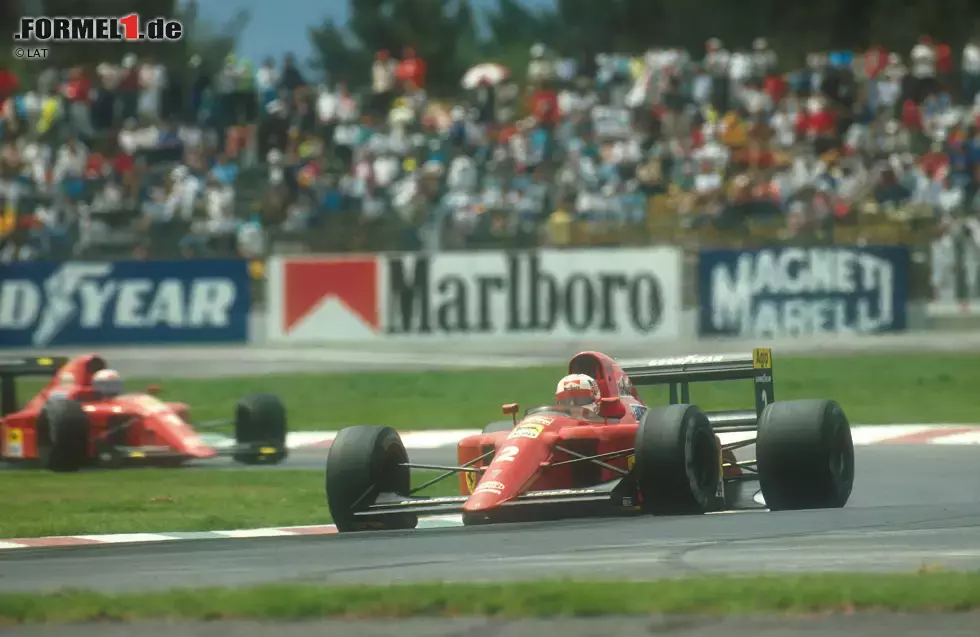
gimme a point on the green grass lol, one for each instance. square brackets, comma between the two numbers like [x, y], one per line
[872, 390]
[37, 504]
[707, 595]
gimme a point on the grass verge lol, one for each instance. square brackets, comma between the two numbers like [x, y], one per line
[38, 504]
[715, 595]
[871, 389]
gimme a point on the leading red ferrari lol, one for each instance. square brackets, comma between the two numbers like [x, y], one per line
[600, 450]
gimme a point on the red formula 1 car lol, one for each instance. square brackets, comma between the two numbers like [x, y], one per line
[631, 459]
[68, 425]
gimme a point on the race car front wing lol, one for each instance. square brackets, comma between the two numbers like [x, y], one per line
[617, 495]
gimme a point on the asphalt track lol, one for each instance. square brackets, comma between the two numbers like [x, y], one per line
[912, 506]
[446, 353]
[866, 625]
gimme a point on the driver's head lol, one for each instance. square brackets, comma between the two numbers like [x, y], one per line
[579, 390]
[107, 382]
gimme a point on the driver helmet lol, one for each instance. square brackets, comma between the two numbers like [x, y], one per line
[579, 390]
[107, 382]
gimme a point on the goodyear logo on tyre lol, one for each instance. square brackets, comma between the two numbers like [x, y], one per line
[526, 431]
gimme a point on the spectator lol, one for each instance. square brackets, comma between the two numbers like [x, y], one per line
[383, 76]
[971, 70]
[923, 59]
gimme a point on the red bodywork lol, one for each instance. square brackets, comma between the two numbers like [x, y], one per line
[519, 455]
[158, 425]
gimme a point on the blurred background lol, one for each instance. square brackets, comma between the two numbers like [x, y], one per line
[449, 125]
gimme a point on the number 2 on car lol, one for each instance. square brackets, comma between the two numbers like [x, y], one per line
[507, 454]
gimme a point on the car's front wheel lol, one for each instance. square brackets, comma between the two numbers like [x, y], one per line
[363, 462]
[63, 436]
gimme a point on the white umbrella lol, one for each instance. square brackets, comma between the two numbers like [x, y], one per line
[489, 72]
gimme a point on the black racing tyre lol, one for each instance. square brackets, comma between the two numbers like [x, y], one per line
[363, 462]
[260, 425]
[63, 436]
[499, 425]
[677, 465]
[805, 455]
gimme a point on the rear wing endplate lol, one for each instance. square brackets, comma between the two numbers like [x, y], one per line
[13, 367]
[678, 372]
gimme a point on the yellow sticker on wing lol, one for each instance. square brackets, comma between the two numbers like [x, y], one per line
[526, 431]
[472, 477]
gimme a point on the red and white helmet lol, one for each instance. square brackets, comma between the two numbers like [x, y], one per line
[579, 390]
[107, 382]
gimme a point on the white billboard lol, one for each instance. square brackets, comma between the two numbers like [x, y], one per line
[534, 294]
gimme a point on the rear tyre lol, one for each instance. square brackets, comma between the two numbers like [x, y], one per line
[63, 436]
[677, 464]
[260, 427]
[363, 462]
[498, 426]
[805, 455]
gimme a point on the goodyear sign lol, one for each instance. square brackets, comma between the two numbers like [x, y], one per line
[124, 302]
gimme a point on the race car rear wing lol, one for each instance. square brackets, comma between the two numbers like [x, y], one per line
[680, 371]
[13, 367]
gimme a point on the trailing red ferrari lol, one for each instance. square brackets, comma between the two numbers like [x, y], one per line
[601, 451]
[83, 418]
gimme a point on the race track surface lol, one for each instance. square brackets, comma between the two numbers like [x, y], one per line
[912, 506]
[866, 625]
[259, 360]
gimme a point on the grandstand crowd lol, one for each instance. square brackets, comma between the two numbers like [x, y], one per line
[667, 146]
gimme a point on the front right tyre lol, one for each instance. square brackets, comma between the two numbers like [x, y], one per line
[363, 462]
[63, 436]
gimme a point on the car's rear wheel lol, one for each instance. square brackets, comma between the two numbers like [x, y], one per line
[805, 455]
[63, 436]
[677, 465]
[260, 430]
[363, 462]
